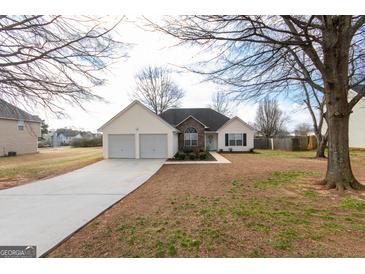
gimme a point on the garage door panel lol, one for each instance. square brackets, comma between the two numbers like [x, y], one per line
[121, 145]
[153, 145]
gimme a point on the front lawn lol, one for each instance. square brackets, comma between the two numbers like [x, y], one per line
[261, 205]
[48, 162]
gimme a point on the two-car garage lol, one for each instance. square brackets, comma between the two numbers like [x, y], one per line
[137, 132]
[150, 145]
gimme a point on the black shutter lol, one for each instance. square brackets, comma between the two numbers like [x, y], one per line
[244, 139]
[226, 139]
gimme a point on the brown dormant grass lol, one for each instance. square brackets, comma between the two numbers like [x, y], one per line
[47, 163]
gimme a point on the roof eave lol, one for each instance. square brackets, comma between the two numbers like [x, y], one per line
[130, 106]
[25, 120]
[191, 116]
[238, 118]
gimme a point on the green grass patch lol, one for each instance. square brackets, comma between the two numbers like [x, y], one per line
[172, 250]
[358, 215]
[351, 203]
[190, 244]
[285, 154]
[310, 211]
[310, 194]
[279, 178]
[332, 227]
[285, 239]
[258, 227]
[256, 253]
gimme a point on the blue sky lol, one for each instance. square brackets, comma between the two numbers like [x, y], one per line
[150, 48]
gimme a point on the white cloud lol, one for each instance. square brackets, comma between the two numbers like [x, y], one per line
[151, 48]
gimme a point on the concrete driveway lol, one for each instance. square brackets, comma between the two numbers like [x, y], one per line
[45, 212]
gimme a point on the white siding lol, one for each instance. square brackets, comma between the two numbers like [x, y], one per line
[235, 126]
[138, 120]
[357, 126]
[175, 144]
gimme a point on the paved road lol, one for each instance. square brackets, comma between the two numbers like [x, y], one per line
[45, 212]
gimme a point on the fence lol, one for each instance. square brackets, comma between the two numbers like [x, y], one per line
[263, 143]
[291, 143]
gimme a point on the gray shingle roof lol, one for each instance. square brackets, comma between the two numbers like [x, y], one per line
[358, 88]
[9, 111]
[209, 117]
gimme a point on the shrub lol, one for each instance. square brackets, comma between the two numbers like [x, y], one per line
[87, 142]
[192, 156]
[188, 150]
[179, 155]
[203, 155]
[182, 156]
[43, 144]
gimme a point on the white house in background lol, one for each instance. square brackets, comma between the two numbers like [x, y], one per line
[137, 132]
[357, 121]
[64, 136]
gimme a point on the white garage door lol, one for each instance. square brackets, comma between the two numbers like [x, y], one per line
[121, 146]
[153, 145]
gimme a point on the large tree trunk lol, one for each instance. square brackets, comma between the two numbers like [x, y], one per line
[321, 145]
[339, 172]
[336, 48]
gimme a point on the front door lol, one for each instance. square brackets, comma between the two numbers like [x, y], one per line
[211, 141]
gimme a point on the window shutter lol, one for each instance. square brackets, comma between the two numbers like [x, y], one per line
[244, 139]
[226, 139]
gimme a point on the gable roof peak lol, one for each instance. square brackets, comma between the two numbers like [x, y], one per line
[9, 111]
[135, 102]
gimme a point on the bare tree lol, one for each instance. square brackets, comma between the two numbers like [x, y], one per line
[303, 129]
[270, 120]
[156, 89]
[261, 55]
[221, 103]
[45, 59]
[316, 108]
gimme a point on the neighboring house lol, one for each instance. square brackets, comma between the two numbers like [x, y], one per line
[357, 122]
[64, 136]
[137, 132]
[87, 135]
[19, 130]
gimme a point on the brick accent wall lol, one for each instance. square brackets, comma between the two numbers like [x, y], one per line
[190, 122]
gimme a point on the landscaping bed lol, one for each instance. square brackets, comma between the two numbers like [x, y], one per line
[192, 155]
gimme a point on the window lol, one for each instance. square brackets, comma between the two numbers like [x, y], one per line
[190, 137]
[20, 125]
[235, 139]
